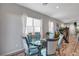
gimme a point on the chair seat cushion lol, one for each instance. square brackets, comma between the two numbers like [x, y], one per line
[33, 51]
[31, 46]
[37, 42]
[43, 52]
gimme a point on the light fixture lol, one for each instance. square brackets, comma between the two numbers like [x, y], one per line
[44, 4]
[57, 6]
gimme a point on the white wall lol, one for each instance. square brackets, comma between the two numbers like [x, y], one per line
[11, 26]
[10, 30]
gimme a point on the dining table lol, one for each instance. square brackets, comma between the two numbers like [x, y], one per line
[40, 44]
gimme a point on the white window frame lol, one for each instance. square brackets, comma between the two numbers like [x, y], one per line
[24, 19]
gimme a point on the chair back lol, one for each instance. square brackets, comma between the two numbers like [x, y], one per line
[37, 36]
[28, 50]
[51, 47]
[25, 45]
[26, 41]
[60, 40]
[29, 37]
[51, 35]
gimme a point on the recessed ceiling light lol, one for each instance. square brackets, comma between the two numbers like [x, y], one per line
[57, 6]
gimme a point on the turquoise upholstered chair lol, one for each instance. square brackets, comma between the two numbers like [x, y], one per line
[37, 36]
[59, 44]
[43, 52]
[32, 49]
[60, 41]
[29, 37]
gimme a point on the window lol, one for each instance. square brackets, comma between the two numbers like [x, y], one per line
[29, 25]
[29, 21]
[37, 25]
[32, 25]
[51, 26]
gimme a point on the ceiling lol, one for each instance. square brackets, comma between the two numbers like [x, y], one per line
[66, 12]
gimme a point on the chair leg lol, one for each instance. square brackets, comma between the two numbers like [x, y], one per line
[39, 53]
[25, 53]
[59, 52]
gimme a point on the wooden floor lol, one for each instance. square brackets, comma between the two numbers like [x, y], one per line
[70, 49]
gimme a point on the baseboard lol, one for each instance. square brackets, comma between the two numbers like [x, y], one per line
[15, 53]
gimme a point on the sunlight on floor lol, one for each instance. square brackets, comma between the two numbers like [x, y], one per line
[70, 49]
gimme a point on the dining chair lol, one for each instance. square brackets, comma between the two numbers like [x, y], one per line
[37, 36]
[59, 43]
[31, 49]
[51, 47]
[29, 37]
[44, 51]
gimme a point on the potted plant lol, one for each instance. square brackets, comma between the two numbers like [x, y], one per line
[61, 30]
[56, 34]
